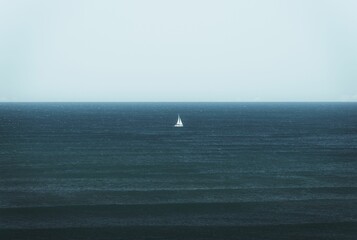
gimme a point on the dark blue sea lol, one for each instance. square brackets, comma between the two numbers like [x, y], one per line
[122, 171]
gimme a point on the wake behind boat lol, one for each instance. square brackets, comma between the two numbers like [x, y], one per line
[179, 122]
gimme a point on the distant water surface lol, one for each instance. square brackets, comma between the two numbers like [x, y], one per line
[122, 171]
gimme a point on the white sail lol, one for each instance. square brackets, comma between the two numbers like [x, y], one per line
[179, 122]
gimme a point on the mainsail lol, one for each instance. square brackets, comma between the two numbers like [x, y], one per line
[179, 122]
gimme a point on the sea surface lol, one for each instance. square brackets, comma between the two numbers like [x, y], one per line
[122, 171]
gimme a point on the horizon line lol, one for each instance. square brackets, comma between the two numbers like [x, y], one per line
[339, 101]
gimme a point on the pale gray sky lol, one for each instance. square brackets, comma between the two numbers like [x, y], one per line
[187, 50]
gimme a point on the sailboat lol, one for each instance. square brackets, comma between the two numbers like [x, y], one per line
[179, 122]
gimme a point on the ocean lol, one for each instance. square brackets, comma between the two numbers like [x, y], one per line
[122, 171]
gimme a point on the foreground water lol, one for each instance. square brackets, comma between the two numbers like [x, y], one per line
[122, 171]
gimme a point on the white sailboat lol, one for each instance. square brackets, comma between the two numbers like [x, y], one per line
[179, 122]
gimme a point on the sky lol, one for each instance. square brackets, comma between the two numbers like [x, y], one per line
[187, 50]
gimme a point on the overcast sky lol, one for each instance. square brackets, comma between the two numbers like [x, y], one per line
[187, 50]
